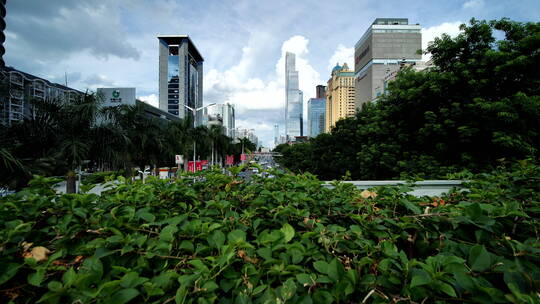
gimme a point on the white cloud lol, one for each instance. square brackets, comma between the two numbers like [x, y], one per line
[430, 33]
[341, 55]
[259, 102]
[473, 4]
[151, 99]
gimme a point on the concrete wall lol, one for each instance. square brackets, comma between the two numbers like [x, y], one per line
[363, 89]
[396, 45]
[163, 63]
[183, 79]
[380, 47]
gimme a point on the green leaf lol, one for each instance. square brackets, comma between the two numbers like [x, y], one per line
[335, 270]
[54, 286]
[167, 234]
[411, 206]
[322, 297]
[448, 289]
[145, 215]
[305, 279]
[288, 289]
[465, 281]
[321, 266]
[132, 279]
[258, 289]
[419, 278]
[216, 239]
[181, 294]
[296, 256]
[9, 272]
[479, 258]
[36, 278]
[236, 236]
[210, 286]
[199, 265]
[265, 253]
[68, 278]
[288, 231]
[123, 296]
[94, 267]
[187, 245]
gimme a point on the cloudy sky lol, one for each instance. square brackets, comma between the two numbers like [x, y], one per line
[104, 43]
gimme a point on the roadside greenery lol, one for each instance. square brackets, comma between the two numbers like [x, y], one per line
[60, 136]
[282, 240]
[479, 103]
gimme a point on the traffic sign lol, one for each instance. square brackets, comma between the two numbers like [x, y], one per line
[179, 159]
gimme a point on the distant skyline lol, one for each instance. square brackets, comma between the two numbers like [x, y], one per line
[103, 43]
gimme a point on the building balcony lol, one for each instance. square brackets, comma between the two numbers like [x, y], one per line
[17, 94]
[16, 78]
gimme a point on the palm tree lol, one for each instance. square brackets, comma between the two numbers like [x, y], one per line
[76, 120]
[215, 134]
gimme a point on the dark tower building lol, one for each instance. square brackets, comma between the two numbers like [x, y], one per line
[321, 91]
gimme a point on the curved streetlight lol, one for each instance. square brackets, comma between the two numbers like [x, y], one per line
[194, 111]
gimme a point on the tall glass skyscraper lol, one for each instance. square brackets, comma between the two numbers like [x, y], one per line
[180, 76]
[293, 99]
[316, 116]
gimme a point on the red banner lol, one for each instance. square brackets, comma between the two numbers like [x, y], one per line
[230, 160]
[243, 157]
[198, 166]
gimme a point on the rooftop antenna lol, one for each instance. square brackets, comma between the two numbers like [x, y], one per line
[65, 77]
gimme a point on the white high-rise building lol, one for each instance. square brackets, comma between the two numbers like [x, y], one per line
[246, 133]
[223, 113]
[294, 122]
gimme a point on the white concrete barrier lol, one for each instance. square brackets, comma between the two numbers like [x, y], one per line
[421, 188]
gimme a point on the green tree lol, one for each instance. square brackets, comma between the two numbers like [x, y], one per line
[479, 103]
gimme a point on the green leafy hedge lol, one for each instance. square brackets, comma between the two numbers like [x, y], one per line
[287, 239]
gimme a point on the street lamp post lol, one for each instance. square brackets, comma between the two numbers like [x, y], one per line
[194, 111]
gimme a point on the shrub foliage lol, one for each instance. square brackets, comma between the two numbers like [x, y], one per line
[287, 239]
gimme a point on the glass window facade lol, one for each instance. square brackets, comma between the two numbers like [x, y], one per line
[294, 99]
[316, 116]
[173, 66]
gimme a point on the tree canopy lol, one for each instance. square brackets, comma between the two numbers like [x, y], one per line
[479, 103]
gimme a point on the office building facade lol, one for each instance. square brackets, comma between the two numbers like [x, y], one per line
[294, 122]
[340, 96]
[386, 43]
[316, 116]
[111, 97]
[240, 133]
[180, 76]
[19, 90]
[221, 114]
